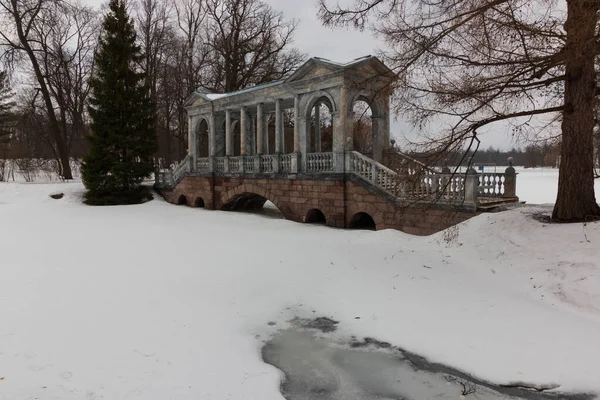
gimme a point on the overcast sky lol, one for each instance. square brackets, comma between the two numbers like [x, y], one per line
[343, 44]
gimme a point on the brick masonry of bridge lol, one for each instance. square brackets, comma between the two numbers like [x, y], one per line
[337, 198]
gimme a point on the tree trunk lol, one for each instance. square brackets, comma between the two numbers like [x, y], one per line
[576, 200]
[61, 145]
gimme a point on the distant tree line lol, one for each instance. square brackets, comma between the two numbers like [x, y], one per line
[531, 156]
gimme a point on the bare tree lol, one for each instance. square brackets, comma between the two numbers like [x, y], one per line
[478, 62]
[154, 28]
[187, 56]
[7, 103]
[191, 18]
[67, 40]
[19, 18]
[250, 44]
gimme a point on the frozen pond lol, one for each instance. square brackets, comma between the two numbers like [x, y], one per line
[318, 369]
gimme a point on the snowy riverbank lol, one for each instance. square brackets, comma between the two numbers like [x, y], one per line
[158, 301]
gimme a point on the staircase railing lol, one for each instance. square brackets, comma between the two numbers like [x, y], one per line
[375, 173]
[169, 178]
[405, 164]
[424, 186]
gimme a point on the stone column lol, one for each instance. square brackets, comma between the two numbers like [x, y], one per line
[317, 128]
[212, 136]
[252, 137]
[340, 131]
[260, 128]
[228, 134]
[378, 137]
[266, 133]
[243, 130]
[212, 141]
[192, 151]
[385, 122]
[278, 127]
[297, 132]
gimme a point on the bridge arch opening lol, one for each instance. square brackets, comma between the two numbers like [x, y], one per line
[182, 200]
[315, 216]
[252, 203]
[363, 221]
[202, 139]
[362, 126]
[235, 138]
[199, 202]
[320, 125]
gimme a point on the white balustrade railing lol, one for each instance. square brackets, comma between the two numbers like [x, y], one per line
[361, 165]
[182, 168]
[422, 184]
[374, 172]
[236, 164]
[267, 163]
[220, 164]
[450, 186]
[167, 178]
[319, 162]
[203, 164]
[425, 185]
[491, 184]
[285, 163]
[249, 164]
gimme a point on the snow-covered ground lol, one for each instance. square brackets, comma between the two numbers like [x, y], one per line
[539, 185]
[158, 301]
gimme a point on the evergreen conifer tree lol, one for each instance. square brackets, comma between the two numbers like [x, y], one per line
[123, 141]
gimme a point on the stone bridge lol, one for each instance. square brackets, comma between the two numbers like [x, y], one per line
[237, 158]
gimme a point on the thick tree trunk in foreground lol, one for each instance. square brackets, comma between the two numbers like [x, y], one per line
[576, 200]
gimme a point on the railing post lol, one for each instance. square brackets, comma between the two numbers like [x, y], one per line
[348, 161]
[374, 174]
[226, 164]
[191, 163]
[276, 162]
[445, 180]
[435, 184]
[257, 164]
[471, 186]
[338, 161]
[510, 182]
[212, 164]
[295, 161]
